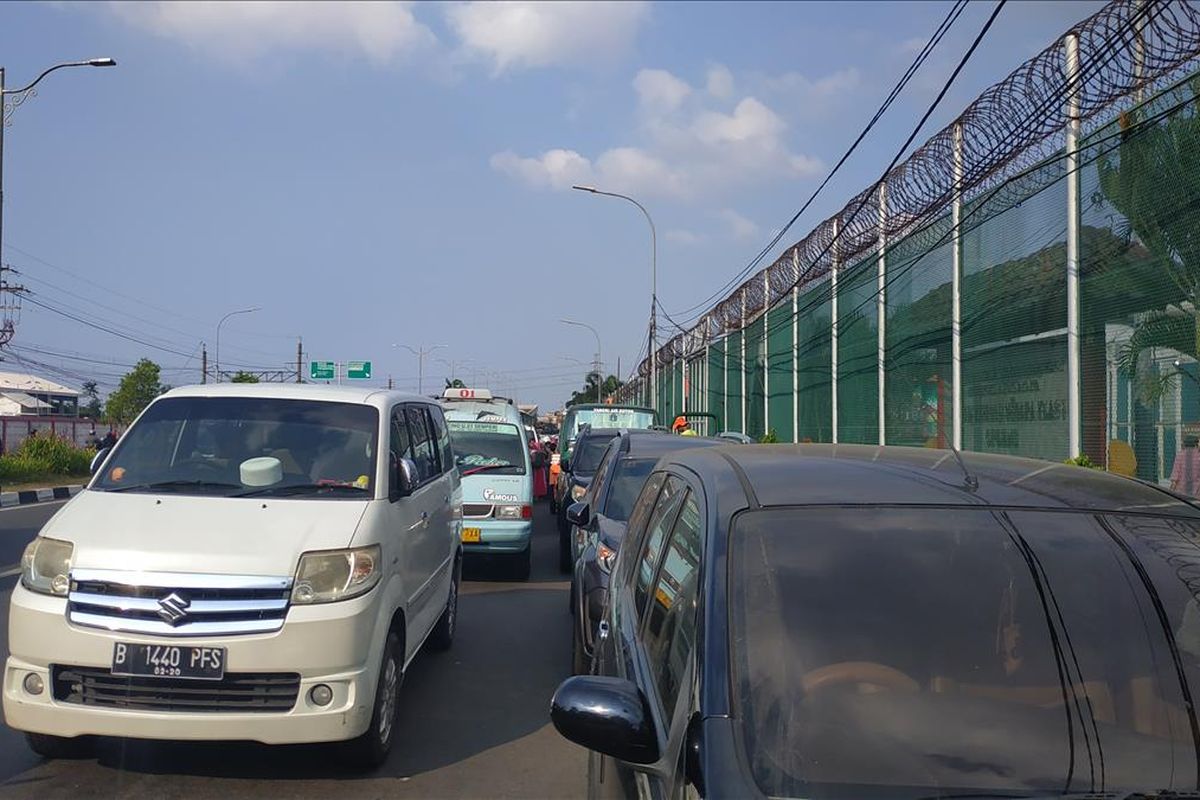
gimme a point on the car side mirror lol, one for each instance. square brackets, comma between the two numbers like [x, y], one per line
[579, 514]
[608, 715]
[404, 477]
[98, 460]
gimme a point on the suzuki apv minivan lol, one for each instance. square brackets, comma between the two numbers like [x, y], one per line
[253, 562]
[497, 476]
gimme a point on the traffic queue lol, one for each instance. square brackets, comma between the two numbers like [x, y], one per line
[818, 621]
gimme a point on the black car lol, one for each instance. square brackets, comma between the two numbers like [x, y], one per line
[573, 480]
[861, 622]
[598, 523]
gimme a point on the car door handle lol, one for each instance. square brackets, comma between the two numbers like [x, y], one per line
[423, 522]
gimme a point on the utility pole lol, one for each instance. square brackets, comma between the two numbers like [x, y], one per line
[10, 303]
[299, 359]
[203, 363]
[390, 381]
[420, 353]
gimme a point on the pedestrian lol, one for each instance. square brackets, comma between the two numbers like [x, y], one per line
[681, 427]
[1185, 474]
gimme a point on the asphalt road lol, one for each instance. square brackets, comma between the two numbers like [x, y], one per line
[474, 722]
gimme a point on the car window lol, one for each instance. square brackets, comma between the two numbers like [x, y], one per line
[637, 522]
[588, 453]
[660, 522]
[596, 489]
[879, 648]
[627, 476]
[423, 447]
[670, 628]
[442, 433]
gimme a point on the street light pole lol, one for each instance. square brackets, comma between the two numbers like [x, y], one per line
[217, 347]
[653, 287]
[19, 96]
[420, 354]
[599, 361]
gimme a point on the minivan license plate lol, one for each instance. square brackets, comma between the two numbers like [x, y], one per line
[472, 534]
[168, 661]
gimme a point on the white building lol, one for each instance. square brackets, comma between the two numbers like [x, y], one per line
[24, 395]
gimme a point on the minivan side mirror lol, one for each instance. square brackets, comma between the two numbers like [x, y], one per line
[98, 460]
[579, 514]
[404, 477]
[608, 715]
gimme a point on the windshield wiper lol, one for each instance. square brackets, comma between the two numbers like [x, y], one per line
[178, 484]
[301, 488]
[485, 467]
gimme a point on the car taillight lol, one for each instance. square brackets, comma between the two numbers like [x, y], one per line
[526, 512]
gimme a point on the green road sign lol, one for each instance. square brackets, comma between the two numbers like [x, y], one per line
[322, 370]
[358, 370]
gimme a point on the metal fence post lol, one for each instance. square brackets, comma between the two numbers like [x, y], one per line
[766, 351]
[833, 332]
[1074, 402]
[742, 366]
[795, 345]
[956, 402]
[881, 313]
[725, 380]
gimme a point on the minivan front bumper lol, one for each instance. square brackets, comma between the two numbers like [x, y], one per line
[330, 644]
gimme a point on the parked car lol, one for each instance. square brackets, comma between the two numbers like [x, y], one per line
[601, 415]
[251, 561]
[847, 621]
[573, 481]
[598, 524]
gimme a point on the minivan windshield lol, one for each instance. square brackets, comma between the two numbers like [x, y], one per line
[247, 446]
[487, 447]
[905, 653]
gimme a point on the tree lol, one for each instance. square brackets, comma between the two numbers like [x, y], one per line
[455, 384]
[588, 393]
[92, 408]
[139, 386]
[243, 377]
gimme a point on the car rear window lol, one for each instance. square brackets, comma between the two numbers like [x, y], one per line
[588, 453]
[629, 474]
[957, 651]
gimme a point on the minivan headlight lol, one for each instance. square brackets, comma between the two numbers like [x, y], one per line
[46, 566]
[326, 576]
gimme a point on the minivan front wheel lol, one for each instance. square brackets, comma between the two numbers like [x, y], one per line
[371, 749]
[54, 747]
[443, 633]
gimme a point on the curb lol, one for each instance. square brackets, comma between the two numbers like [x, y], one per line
[31, 496]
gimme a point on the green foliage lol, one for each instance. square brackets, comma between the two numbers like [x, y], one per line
[769, 437]
[588, 393]
[92, 407]
[455, 384]
[1082, 460]
[42, 457]
[139, 386]
[243, 377]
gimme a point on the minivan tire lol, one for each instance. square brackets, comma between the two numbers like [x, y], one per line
[55, 747]
[442, 635]
[564, 553]
[370, 750]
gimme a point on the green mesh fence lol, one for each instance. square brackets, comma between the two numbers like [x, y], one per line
[858, 348]
[733, 382]
[756, 374]
[780, 414]
[918, 391]
[1139, 273]
[715, 388]
[814, 421]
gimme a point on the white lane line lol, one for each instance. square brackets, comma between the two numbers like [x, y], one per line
[10, 572]
[28, 506]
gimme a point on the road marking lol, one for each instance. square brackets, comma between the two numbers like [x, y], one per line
[27, 506]
[8, 573]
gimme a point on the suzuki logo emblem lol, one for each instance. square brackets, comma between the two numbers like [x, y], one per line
[173, 608]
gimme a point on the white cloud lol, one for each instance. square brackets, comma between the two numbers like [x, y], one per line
[658, 89]
[381, 31]
[825, 87]
[687, 146]
[739, 226]
[911, 46]
[538, 34]
[720, 82]
[683, 237]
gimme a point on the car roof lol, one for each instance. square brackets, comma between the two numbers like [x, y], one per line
[300, 391]
[779, 475]
[598, 433]
[653, 444]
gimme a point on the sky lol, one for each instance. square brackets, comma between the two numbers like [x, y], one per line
[384, 176]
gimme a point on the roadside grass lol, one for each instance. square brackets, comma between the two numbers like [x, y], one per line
[48, 481]
[43, 461]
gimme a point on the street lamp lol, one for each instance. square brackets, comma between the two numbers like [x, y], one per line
[599, 363]
[653, 286]
[420, 354]
[217, 348]
[454, 364]
[19, 96]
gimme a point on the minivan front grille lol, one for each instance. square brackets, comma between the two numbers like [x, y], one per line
[177, 604]
[237, 691]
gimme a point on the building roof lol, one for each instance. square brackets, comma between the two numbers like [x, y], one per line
[22, 382]
[25, 401]
[857, 474]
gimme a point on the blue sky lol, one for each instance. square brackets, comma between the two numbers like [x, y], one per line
[393, 173]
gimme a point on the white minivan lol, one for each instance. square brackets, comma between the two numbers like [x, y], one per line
[251, 561]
